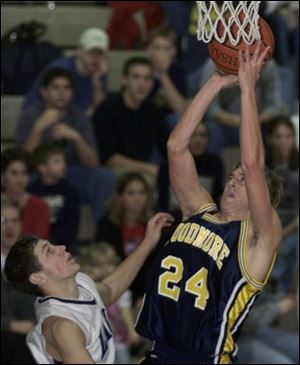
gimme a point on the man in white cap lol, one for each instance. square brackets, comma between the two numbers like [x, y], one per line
[88, 67]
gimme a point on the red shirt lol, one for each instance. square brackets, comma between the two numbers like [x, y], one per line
[132, 237]
[36, 218]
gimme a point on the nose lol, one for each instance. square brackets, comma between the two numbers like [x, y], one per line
[61, 249]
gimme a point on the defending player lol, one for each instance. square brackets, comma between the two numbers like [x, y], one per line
[72, 325]
[211, 270]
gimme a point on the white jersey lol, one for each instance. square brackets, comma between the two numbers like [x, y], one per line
[88, 312]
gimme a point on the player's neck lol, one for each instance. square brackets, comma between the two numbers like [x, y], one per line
[66, 289]
[229, 215]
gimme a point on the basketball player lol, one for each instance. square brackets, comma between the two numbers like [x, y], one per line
[72, 324]
[210, 272]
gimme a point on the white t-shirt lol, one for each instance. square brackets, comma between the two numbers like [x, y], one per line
[88, 312]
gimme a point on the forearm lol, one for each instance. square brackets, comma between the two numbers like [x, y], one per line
[266, 116]
[121, 161]
[126, 272]
[34, 140]
[192, 116]
[175, 99]
[87, 155]
[292, 227]
[251, 144]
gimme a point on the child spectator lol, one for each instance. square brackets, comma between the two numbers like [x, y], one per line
[15, 179]
[98, 260]
[62, 200]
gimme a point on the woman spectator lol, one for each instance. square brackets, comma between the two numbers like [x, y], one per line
[282, 156]
[15, 179]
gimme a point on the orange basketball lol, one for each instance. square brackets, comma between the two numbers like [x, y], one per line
[225, 56]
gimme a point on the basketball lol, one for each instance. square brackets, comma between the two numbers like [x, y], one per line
[225, 56]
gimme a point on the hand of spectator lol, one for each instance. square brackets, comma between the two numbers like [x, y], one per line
[250, 66]
[49, 118]
[21, 327]
[155, 226]
[134, 338]
[102, 68]
[61, 130]
[287, 303]
[161, 63]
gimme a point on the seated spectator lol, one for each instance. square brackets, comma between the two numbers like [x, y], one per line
[223, 113]
[62, 200]
[209, 168]
[88, 68]
[282, 156]
[98, 260]
[260, 341]
[129, 208]
[169, 80]
[128, 128]
[17, 310]
[55, 118]
[15, 179]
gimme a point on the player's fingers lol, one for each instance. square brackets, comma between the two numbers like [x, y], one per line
[247, 53]
[257, 51]
[241, 59]
[263, 56]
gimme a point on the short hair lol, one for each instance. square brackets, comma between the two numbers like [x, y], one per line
[11, 155]
[54, 73]
[43, 153]
[21, 263]
[165, 32]
[134, 61]
[274, 182]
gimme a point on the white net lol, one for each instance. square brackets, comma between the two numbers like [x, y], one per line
[244, 15]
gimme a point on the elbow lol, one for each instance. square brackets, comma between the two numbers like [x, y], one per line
[251, 165]
[174, 146]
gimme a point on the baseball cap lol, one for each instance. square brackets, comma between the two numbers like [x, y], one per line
[94, 38]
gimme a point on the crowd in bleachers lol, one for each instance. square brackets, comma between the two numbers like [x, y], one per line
[74, 143]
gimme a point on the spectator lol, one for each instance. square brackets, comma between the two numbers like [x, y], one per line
[209, 167]
[62, 200]
[55, 118]
[17, 310]
[129, 208]
[127, 127]
[169, 86]
[15, 179]
[223, 113]
[98, 261]
[88, 67]
[282, 156]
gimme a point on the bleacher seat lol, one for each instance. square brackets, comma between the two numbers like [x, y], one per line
[10, 110]
[65, 23]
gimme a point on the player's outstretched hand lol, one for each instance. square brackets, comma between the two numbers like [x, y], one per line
[250, 66]
[154, 227]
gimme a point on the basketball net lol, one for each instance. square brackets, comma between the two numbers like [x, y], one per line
[244, 16]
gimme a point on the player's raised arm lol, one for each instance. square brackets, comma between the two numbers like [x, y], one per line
[265, 219]
[183, 175]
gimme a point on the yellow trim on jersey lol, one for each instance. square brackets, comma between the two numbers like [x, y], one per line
[207, 207]
[212, 218]
[245, 295]
[242, 258]
[225, 359]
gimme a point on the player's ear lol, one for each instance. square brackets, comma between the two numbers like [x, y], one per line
[38, 278]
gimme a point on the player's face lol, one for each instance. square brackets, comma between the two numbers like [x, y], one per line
[16, 178]
[282, 140]
[58, 93]
[57, 263]
[139, 82]
[10, 226]
[134, 197]
[235, 193]
[199, 140]
[56, 166]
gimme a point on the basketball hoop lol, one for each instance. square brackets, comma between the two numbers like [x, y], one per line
[244, 16]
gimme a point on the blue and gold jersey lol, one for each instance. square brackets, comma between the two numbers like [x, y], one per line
[200, 291]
